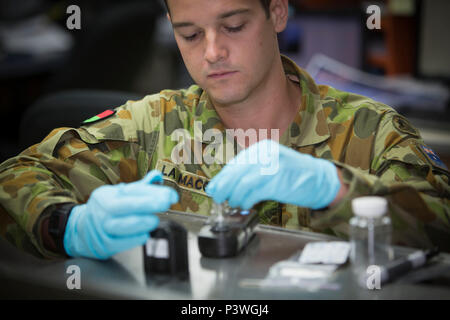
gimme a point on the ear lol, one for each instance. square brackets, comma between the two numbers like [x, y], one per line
[168, 17]
[279, 13]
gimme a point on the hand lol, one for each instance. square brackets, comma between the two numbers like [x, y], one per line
[299, 179]
[117, 217]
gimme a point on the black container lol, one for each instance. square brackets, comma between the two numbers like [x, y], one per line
[166, 252]
[229, 239]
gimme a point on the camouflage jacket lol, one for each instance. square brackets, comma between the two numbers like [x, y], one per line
[378, 150]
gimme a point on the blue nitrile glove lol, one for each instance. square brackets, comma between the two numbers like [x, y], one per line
[117, 217]
[270, 171]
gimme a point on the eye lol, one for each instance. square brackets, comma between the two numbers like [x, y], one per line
[235, 29]
[191, 38]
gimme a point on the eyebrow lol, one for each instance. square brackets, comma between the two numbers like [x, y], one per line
[225, 15]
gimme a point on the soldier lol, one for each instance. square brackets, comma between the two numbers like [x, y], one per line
[91, 191]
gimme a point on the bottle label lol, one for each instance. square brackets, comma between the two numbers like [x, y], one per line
[157, 248]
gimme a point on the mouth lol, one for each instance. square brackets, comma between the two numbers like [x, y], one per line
[221, 74]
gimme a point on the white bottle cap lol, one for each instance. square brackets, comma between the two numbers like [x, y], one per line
[369, 207]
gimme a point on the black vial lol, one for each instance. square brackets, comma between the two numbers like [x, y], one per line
[166, 252]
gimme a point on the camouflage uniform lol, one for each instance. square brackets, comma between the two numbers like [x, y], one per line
[379, 153]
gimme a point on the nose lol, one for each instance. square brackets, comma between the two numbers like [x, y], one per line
[215, 51]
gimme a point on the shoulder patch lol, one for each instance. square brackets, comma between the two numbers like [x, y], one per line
[433, 157]
[105, 114]
[404, 126]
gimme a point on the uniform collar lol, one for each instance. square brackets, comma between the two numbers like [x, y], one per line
[309, 126]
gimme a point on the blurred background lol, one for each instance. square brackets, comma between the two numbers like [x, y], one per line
[53, 76]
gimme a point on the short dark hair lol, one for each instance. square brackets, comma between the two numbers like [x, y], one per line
[265, 4]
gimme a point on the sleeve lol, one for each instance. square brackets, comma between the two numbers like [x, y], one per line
[65, 168]
[413, 179]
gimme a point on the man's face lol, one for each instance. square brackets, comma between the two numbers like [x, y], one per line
[228, 46]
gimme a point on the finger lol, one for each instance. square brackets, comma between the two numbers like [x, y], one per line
[243, 189]
[131, 225]
[147, 190]
[228, 170]
[252, 199]
[153, 176]
[267, 191]
[224, 183]
[257, 188]
[118, 244]
[229, 181]
[100, 245]
[135, 205]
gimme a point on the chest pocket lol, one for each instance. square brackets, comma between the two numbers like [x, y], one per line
[190, 188]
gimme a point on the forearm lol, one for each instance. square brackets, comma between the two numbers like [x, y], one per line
[52, 173]
[28, 192]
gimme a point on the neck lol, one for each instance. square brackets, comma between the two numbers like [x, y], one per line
[272, 105]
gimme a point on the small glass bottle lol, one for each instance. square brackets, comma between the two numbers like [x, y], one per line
[370, 234]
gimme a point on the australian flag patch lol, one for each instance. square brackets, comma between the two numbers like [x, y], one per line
[433, 157]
